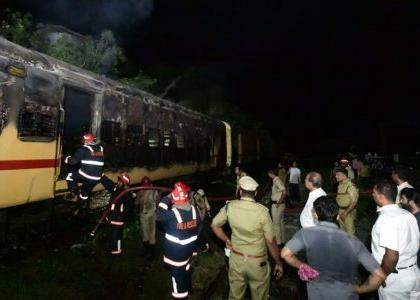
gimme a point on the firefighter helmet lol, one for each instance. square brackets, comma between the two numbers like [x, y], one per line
[124, 178]
[179, 194]
[88, 138]
[145, 181]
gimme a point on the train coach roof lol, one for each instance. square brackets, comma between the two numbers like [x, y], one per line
[21, 55]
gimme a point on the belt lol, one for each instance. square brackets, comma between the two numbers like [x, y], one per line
[247, 255]
[402, 268]
[343, 207]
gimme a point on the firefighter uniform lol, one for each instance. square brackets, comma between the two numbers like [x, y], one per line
[118, 213]
[251, 227]
[181, 225]
[90, 158]
[347, 194]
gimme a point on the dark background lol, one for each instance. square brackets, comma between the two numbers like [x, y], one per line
[322, 75]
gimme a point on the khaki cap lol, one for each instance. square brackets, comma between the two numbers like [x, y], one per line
[248, 183]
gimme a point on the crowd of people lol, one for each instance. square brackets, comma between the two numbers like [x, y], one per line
[327, 237]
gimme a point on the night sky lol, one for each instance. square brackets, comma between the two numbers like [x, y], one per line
[327, 73]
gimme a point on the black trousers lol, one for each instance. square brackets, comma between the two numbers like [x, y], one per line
[74, 178]
[181, 281]
[294, 192]
[203, 237]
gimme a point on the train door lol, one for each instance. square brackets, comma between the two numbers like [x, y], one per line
[77, 105]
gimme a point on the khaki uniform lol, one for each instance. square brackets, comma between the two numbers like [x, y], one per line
[277, 210]
[146, 200]
[251, 226]
[347, 194]
[201, 203]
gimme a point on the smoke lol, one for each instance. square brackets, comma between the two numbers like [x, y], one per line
[92, 16]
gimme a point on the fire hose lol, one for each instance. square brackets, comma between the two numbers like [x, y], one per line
[117, 199]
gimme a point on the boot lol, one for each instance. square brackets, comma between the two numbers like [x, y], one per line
[72, 197]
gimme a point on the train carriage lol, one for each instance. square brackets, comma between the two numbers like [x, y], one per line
[46, 105]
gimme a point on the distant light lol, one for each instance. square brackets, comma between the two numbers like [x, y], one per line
[16, 71]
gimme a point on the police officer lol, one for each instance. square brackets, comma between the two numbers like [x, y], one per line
[118, 212]
[278, 194]
[344, 164]
[252, 233]
[181, 223]
[90, 159]
[347, 196]
[147, 200]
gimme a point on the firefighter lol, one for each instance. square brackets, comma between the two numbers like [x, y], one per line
[90, 161]
[200, 201]
[118, 213]
[146, 201]
[181, 224]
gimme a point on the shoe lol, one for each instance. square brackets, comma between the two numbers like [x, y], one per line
[70, 197]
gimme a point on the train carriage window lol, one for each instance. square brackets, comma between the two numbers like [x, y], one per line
[134, 154]
[180, 141]
[167, 139]
[169, 155]
[180, 147]
[37, 123]
[111, 132]
[153, 138]
[134, 135]
[154, 153]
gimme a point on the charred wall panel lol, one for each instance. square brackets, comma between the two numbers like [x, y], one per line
[135, 137]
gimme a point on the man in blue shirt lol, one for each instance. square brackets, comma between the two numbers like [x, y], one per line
[334, 254]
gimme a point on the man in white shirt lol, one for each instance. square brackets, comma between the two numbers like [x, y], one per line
[294, 180]
[395, 242]
[400, 177]
[313, 183]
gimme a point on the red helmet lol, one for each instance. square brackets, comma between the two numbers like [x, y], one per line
[179, 194]
[124, 178]
[88, 138]
[145, 181]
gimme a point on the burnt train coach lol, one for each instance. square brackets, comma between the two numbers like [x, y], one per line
[46, 105]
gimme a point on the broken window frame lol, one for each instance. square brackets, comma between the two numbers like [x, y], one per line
[43, 122]
[116, 136]
[4, 115]
[154, 147]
